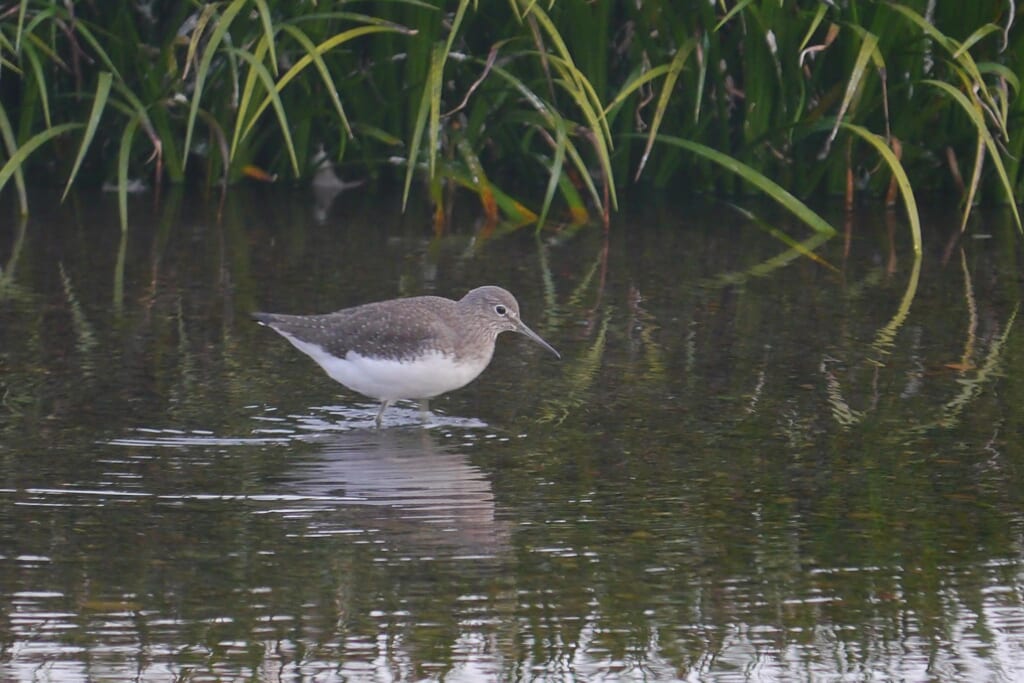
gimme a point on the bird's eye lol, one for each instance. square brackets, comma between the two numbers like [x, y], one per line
[500, 309]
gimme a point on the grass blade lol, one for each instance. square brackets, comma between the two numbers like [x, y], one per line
[974, 38]
[972, 190]
[576, 84]
[906, 189]
[203, 70]
[307, 59]
[246, 96]
[268, 30]
[868, 49]
[675, 68]
[123, 157]
[554, 172]
[14, 164]
[99, 103]
[435, 83]
[431, 92]
[731, 13]
[978, 119]
[757, 179]
[478, 177]
[10, 142]
[632, 86]
[963, 59]
[429, 114]
[37, 71]
[325, 74]
[819, 15]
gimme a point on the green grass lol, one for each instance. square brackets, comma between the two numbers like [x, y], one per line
[546, 111]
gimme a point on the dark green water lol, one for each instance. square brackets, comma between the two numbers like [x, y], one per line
[747, 465]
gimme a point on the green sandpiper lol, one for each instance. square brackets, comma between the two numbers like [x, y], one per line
[412, 348]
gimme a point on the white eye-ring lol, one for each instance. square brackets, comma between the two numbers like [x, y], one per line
[500, 309]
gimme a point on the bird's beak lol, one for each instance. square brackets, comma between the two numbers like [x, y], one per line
[522, 329]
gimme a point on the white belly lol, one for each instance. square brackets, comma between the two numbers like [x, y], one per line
[389, 380]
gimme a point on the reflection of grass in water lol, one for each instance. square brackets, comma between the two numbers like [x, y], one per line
[886, 336]
[885, 344]
[972, 387]
[805, 249]
[9, 289]
[15, 395]
[15, 398]
[574, 389]
[85, 335]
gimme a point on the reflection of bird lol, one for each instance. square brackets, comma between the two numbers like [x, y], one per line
[423, 495]
[413, 348]
[326, 185]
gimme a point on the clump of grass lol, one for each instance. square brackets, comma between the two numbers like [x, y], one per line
[545, 111]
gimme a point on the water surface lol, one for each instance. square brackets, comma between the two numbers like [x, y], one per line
[748, 465]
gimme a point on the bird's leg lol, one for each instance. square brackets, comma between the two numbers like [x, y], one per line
[380, 413]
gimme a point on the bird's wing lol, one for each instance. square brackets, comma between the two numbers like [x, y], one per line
[400, 330]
